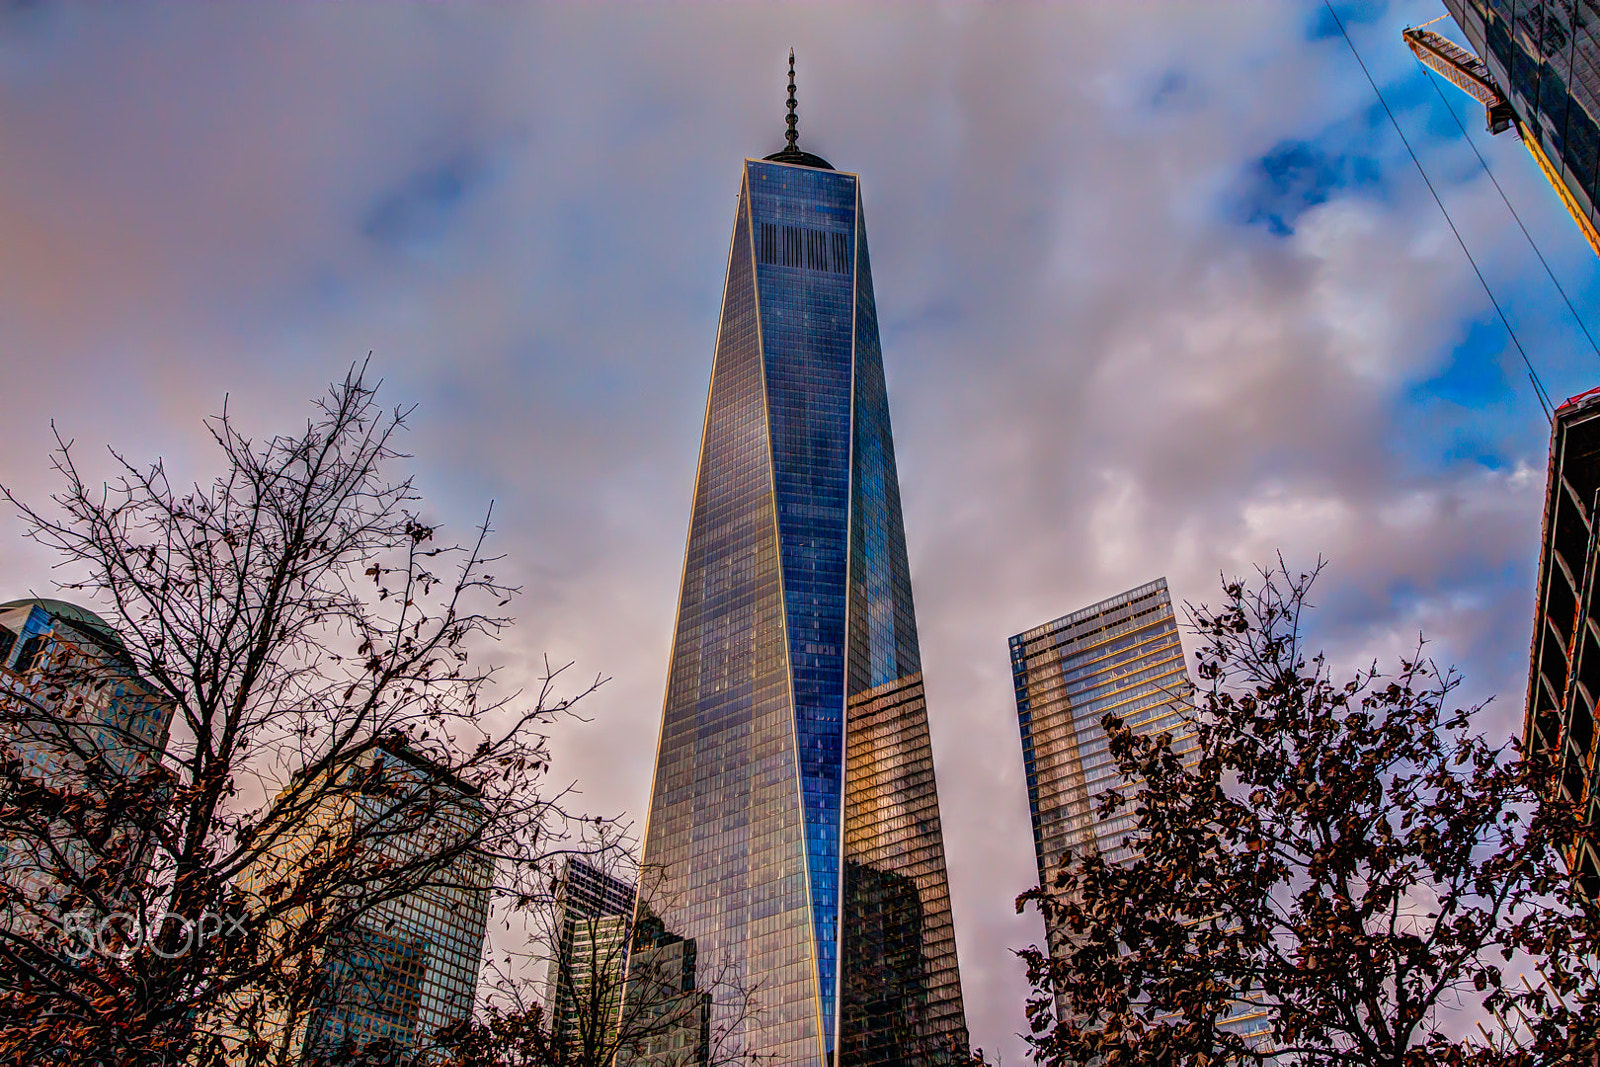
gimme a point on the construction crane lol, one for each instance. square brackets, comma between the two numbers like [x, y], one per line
[1466, 72]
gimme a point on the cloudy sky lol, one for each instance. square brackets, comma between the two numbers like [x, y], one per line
[1161, 294]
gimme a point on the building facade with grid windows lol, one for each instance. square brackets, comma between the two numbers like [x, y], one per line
[1543, 57]
[589, 956]
[74, 715]
[794, 814]
[403, 962]
[1122, 656]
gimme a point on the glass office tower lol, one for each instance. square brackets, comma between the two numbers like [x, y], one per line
[76, 717]
[1121, 655]
[794, 815]
[400, 961]
[594, 919]
[1544, 58]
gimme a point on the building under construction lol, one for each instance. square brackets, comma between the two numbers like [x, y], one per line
[1564, 674]
[1536, 71]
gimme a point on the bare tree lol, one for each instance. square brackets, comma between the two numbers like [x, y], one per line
[1349, 860]
[336, 748]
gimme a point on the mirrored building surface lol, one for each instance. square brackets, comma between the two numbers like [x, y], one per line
[794, 743]
[1543, 57]
[1122, 656]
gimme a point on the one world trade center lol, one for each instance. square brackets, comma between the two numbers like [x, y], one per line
[794, 821]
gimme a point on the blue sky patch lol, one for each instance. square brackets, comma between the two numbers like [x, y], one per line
[1474, 377]
[1296, 176]
[420, 210]
[1351, 14]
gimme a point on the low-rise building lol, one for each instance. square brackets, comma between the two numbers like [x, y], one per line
[78, 729]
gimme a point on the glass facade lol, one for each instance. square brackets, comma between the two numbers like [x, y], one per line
[443, 920]
[372, 989]
[1544, 56]
[67, 660]
[668, 1010]
[1121, 656]
[795, 615]
[66, 691]
[589, 956]
[902, 988]
[402, 966]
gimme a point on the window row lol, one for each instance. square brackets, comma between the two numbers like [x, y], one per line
[800, 246]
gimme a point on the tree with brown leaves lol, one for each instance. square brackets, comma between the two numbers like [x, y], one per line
[1348, 861]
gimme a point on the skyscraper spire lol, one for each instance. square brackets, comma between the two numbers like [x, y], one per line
[794, 116]
[792, 152]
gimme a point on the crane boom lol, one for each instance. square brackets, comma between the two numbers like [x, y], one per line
[1465, 71]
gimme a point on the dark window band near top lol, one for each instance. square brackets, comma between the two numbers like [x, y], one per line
[799, 246]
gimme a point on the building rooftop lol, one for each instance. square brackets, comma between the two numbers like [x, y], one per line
[81, 618]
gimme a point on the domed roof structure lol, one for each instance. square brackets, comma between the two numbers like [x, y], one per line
[82, 618]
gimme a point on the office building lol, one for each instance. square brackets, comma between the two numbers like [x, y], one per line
[668, 1013]
[589, 956]
[794, 814]
[69, 698]
[69, 664]
[1537, 70]
[405, 963]
[374, 984]
[1122, 656]
[1564, 664]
